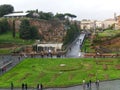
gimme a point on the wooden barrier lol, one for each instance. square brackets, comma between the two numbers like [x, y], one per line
[94, 55]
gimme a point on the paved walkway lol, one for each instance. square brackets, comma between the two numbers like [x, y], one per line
[106, 85]
[74, 50]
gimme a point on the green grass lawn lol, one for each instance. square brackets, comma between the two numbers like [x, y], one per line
[50, 73]
[86, 47]
[5, 51]
[7, 38]
[108, 33]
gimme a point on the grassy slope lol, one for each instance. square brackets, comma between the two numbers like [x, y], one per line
[51, 74]
[106, 33]
[109, 33]
[87, 46]
[115, 43]
[7, 38]
[5, 50]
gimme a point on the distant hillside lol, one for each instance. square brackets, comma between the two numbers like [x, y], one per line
[108, 41]
[113, 44]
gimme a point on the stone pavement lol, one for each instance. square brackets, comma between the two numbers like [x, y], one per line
[106, 85]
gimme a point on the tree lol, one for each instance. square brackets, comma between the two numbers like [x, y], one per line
[49, 15]
[34, 32]
[30, 13]
[4, 26]
[6, 9]
[27, 31]
[71, 34]
[46, 16]
[60, 16]
[33, 13]
[14, 33]
[70, 15]
[73, 16]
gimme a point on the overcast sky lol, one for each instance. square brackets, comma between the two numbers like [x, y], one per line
[84, 9]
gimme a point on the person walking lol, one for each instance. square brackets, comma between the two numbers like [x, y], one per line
[18, 58]
[97, 83]
[83, 84]
[23, 86]
[90, 82]
[12, 86]
[41, 87]
[26, 86]
[37, 86]
[87, 84]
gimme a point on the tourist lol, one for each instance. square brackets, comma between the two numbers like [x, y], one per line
[12, 86]
[90, 82]
[23, 86]
[51, 55]
[47, 54]
[19, 58]
[37, 86]
[49, 51]
[42, 54]
[87, 84]
[2, 70]
[83, 84]
[97, 83]
[41, 87]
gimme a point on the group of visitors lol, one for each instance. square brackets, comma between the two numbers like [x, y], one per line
[39, 87]
[89, 84]
[25, 87]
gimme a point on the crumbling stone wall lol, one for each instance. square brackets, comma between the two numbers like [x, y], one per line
[51, 31]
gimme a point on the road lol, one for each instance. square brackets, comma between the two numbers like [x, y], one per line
[74, 50]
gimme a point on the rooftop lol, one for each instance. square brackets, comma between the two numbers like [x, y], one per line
[15, 14]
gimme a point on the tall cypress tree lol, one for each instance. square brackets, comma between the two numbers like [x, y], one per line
[27, 31]
[14, 33]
